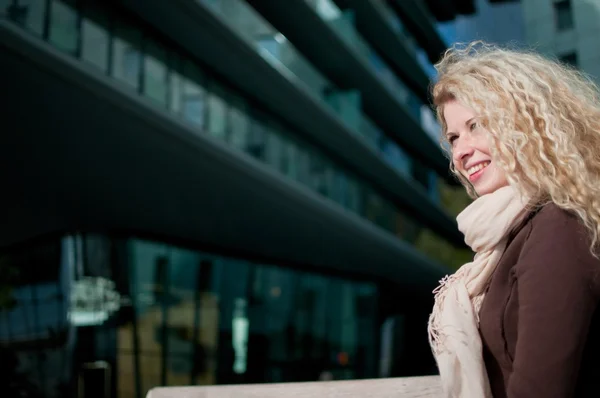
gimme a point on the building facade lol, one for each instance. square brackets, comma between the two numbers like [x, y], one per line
[494, 22]
[218, 191]
[566, 29]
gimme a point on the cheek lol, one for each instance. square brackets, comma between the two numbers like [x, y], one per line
[483, 142]
[456, 163]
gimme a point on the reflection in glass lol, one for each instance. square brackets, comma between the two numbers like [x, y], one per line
[63, 25]
[155, 72]
[217, 112]
[6, 6]
[274, 150]
[181, 82]
[240, 325]
[190, 94]
[127, 57]
[258, 137]
[288, 158]
[303, 158]
[193, 318]
[239, 124]
[29, 13]
[95, 38]
[326, 9]
[320, 171]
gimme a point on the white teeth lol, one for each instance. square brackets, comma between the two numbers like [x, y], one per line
[477, 167]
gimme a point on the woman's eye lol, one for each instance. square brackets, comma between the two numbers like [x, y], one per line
[452, 138]
[473, 126]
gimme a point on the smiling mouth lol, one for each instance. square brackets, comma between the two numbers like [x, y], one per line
[477, 168]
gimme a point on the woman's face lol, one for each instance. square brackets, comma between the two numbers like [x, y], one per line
[471, 149]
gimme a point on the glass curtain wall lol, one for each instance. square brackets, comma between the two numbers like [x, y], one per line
[119, 316]
[110, 44]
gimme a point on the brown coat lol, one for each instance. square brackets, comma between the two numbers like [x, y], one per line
[539, 320]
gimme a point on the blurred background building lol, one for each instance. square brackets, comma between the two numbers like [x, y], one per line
[500, 22]
[567, 29]
[219, 191]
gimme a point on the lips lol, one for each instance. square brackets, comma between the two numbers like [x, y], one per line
[477, 168]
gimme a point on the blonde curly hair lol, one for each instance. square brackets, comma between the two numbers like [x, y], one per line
[543, 118]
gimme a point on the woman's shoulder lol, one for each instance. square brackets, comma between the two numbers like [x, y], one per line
[557, 238]
[556, 225]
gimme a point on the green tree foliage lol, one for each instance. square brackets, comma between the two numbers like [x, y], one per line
[454, 200]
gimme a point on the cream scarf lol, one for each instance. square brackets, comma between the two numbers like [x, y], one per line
[454, 322]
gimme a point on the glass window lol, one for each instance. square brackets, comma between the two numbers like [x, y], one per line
[155, 72]
[320, 173]
[63, 25]
[327, 9]
[353, 195]
[188, 321]
[257, 137]
[127, 57]
[395, 156]
[289, 156]
[191, 95]
[303, 165]
[339, 189]
[270, 45]
[6, 6]
[569, 59]
[239, 124]
[217, 112]
[176, 86]
[434, 191]
[30, 14]
[274, 148]
[287, 147]
[563, 14]
[370, 132]
[95, 37]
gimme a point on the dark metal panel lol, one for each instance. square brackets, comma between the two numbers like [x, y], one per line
[371, 24]
[441, 10]
[465, 7]
[208, 38]
[447, 10]
[414, 15]
[83, 153]
[345, 67]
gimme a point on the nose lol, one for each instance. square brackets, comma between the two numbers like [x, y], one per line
[462, 150]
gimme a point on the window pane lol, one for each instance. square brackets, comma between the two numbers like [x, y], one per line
[192, 95]
[570, 59]
[63, 26]
[217, 112]
[126, 55]
[30, 13]
[274, 150]
[563, 14]
[4, 7]
[95, 37]
[287, 149]
[176, 85]
[257, 138]
[239, 125]
[320, 174]
[395, 156]
[339, 189]
[303, 158]
[155, 72]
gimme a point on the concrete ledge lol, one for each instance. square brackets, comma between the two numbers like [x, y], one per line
[407, 387]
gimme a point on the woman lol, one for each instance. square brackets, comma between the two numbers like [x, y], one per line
[521, 319]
